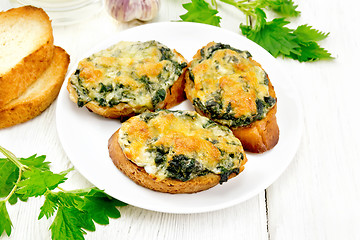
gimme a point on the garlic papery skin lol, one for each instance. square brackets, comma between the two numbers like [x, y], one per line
[127, 10]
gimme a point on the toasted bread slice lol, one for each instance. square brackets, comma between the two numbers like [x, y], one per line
[129, 78]
[228, 86]
[39, 95]
[261, 135]
[26, 49]
[174, 96]
[192, 155]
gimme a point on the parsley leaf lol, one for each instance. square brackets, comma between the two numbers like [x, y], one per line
[200, 11]
[5, 222]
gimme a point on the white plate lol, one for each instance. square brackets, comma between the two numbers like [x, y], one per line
[84, 135]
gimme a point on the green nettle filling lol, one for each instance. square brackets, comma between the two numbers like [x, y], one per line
[215, 108]
[186, 167]
[207, 53]
[225, 115]
[108, 93]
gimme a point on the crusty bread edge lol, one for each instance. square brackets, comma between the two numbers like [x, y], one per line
[19, 112]
[16, 81]
[142, 178]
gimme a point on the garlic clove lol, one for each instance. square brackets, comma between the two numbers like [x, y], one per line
[128, 10]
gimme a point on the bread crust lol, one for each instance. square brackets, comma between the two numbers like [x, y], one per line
[174, 96]
[142, 178]
[39, 95]
[14, 82]
[257, 137]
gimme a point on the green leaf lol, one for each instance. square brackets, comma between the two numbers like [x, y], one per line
[274, 37]
[67, 225]
[286, 8]
[50, 205]
[36, 182]
[5, 222]
[100, 206]
[200, 11]
[9, 173]
[70, 220]
[306, 33]
[310, 52]
[260, 19]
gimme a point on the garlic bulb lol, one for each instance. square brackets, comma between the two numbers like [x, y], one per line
[127, 10]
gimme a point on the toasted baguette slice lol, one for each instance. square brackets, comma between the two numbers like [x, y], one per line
[228, 86]
[212, 153]
[262, 135]
[39, 95]
[129, 78]
[26, 49]
[174, 96]
[141, 177]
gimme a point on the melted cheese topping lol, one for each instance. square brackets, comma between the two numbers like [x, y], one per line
[135, 73]
[228, 83]
[165, 135]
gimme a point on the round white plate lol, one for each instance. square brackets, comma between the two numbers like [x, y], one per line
[84, 135]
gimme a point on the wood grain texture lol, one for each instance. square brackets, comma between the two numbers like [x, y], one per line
[317, 197]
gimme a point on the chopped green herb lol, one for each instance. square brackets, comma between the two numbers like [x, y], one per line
[158, 97]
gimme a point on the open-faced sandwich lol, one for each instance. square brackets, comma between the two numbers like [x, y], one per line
[228, 86]
[176, 151]
[129, 78]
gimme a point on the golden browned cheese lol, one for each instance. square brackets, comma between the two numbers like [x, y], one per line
[180, 145]
[128, 78]
[228, 86]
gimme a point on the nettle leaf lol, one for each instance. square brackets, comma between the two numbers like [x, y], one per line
[274, 37]
[200, 11]
[9, 173]
[37, 162]
[306, 33]
[50, 205]
[286, 8]
[77, 211]
[36, 182]
[68, 224]
[5, 222]
[100, 206]
[311, 51]
[260, 19]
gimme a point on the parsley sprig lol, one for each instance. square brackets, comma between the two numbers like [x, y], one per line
[299, 44]
[75, 211]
